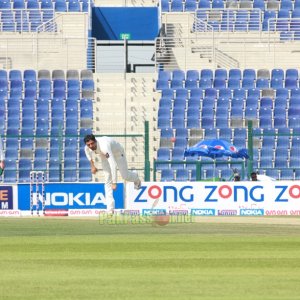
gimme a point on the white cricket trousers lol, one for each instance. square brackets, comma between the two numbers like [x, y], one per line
[121, 161]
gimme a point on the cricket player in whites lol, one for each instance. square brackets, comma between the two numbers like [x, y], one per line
[112, 157]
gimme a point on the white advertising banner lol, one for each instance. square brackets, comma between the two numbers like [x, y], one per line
[216, 198]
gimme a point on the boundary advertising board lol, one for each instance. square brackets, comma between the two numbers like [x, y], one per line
[196, 198]
[217, 198]
[63, 199]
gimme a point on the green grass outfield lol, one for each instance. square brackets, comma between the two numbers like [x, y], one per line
[80, 259]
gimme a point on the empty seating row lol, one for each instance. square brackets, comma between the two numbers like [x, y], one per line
[45, 74]
[14, 86]
[228, 93]
[193, 5]
[59, 6]
[13, 176]
[198, 107]
[232, 83]
[224, 74]
[52, 117]
[190, 175]
[54, 157]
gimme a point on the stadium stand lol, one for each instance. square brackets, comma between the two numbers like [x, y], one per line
[217, 106]
[28, 132]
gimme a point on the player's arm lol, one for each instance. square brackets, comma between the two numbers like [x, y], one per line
[93, 167]
[89, 157]
[113, 165]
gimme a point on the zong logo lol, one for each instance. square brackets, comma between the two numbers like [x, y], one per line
[167, 193]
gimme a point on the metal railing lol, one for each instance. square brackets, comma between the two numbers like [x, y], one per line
[229, 20]
[49, 52]
[228, 38]
[24, 20]
[199, 167]
[288, 28]
[127, 3]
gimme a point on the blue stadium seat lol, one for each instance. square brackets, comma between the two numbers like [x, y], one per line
[178, 111]
[18, 4]
[292, 74]
[225, 133]
[166, 133]
[167, 175]
[204, 4]
[277, 73]
[206, 74]
[262, 83]
[86, 103]
[70, 176]
[15, 75]
[3, 75]
[178, 75]
[266, 102]
[235, 74]
[249, 74]
[176, 6]
[33, 4]
[286, 174]
[176, 84]
[225, 93]
[60, 6]
[10, 176]
[182, 93]
[223, 103]
[74, 6]
[182, 175]
[252, 102]
[248, 83]
[282, 92]
[221, 74]
[279, 120]
[219, 83]
[295, 93]
[162, 84]
[165, 75]
[217, 4]
[234, 83]
[163, 154]
[291, 83]
[193, 122]
[286, 5]
[196, 93]
[250, 113]
[167, 93]
[192, 75]
[85, 175]
[165, 103]
[259, 4]
[191, 84]
[5, 4]
[211, 93]
[239, 93]
[165, 5]
[254, 93]
[276, 83]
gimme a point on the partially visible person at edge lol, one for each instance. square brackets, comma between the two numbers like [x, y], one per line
[254, 176]
[237, 177]
[2, 159]
[112, 157]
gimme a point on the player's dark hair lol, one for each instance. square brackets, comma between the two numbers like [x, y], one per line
[89, 137]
